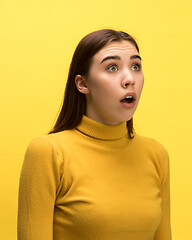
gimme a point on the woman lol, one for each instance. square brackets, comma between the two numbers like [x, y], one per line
[92, 176]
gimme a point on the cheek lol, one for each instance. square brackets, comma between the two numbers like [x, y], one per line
[100, 92]
[99, 86]
[140, 84]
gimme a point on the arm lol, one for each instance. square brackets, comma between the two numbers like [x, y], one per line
[39, 180]
[164, 230]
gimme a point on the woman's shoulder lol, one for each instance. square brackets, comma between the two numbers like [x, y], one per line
[47, 143]
[53, 138]
[156, 151]
[150, 144]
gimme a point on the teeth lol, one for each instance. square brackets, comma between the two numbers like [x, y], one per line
[129, 97]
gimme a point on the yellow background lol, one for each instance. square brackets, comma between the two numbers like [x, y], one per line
[37, 40]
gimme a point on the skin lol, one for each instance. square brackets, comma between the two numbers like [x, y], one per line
[108, 82]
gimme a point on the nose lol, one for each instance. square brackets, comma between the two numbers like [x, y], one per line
[128, 79]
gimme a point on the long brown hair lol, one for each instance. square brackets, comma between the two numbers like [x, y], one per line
[74, 104]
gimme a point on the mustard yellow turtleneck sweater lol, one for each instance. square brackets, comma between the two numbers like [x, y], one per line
[94, 183]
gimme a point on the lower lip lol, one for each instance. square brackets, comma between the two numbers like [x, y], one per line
[128, 105]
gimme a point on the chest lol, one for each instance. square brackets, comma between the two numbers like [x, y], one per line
[110, 191]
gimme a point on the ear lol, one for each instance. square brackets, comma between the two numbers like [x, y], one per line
[81, 84]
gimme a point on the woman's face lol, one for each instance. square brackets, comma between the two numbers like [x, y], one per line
[115, 74]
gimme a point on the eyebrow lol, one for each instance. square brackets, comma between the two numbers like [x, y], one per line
[118, 58]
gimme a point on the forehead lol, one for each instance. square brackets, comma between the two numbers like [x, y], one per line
[123, 47]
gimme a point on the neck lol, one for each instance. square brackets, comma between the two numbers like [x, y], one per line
[103, 121]
[102, 131]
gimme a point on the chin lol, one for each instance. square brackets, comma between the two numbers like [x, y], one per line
[120, 120]
[127, 118]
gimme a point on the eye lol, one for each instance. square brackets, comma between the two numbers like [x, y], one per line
[136, 67]
[112, 68]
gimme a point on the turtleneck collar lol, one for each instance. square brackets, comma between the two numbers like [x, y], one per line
[102, 131]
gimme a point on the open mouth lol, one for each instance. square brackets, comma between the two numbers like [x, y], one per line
[128, 99]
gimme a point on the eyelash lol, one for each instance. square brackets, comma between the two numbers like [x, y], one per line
[114, 65]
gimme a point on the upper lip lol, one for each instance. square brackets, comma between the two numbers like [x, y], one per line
[133, 94]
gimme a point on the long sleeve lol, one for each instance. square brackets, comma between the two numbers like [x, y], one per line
[94, 182]
[164, 230]
[39, 180]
